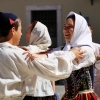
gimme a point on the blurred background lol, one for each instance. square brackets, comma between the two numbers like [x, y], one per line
[53, 13]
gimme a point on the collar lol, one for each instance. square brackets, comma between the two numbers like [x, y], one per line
[5, 44]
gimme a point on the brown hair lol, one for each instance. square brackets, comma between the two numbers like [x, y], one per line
[72, 17]
[33, 25]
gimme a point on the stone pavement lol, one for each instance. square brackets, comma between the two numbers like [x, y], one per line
[60, 89]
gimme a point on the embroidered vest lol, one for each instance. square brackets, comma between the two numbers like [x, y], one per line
[79, 80]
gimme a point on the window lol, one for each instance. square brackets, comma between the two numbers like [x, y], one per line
[51, 17]
[47, 17]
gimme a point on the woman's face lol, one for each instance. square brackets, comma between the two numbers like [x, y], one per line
[68, 29]
[28, 34]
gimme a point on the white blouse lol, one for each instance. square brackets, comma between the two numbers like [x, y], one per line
[37, 86]
[15, 70]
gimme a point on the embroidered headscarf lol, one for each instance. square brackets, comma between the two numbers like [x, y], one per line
[82, 35]
[40, 36]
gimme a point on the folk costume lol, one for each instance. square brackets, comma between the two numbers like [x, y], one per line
[79, 85]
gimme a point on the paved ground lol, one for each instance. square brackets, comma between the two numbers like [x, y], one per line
[60, 90]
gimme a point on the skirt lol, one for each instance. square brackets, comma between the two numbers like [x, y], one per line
[39, 98]
[87, 96]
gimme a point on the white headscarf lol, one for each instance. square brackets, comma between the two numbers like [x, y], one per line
[40, 36]
[82, 34]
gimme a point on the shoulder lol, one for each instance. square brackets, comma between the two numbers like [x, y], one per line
[89, 54]
[87, 49]
[11, 52]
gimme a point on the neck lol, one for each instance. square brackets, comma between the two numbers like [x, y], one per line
[11, 41]
[4, 39]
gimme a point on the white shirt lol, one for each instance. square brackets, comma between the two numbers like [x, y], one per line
[15, 70]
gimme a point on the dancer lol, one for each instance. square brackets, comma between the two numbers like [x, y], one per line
[37, 36]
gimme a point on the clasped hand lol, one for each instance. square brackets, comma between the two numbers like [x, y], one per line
[31, 56]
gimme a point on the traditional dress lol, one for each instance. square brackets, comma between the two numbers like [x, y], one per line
[79, 85]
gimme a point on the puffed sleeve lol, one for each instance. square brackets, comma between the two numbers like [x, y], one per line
[88, 58]
[58, 66]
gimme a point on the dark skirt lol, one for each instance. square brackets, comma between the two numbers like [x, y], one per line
[39, 98]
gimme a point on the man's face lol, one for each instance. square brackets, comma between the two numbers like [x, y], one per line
[68, 29]
[17, 35]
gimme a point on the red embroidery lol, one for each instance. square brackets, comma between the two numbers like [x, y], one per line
[11, 21]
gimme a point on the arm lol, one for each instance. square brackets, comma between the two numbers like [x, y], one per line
[57, 66]
[52, 69]
[18, 70]
[53, 85]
